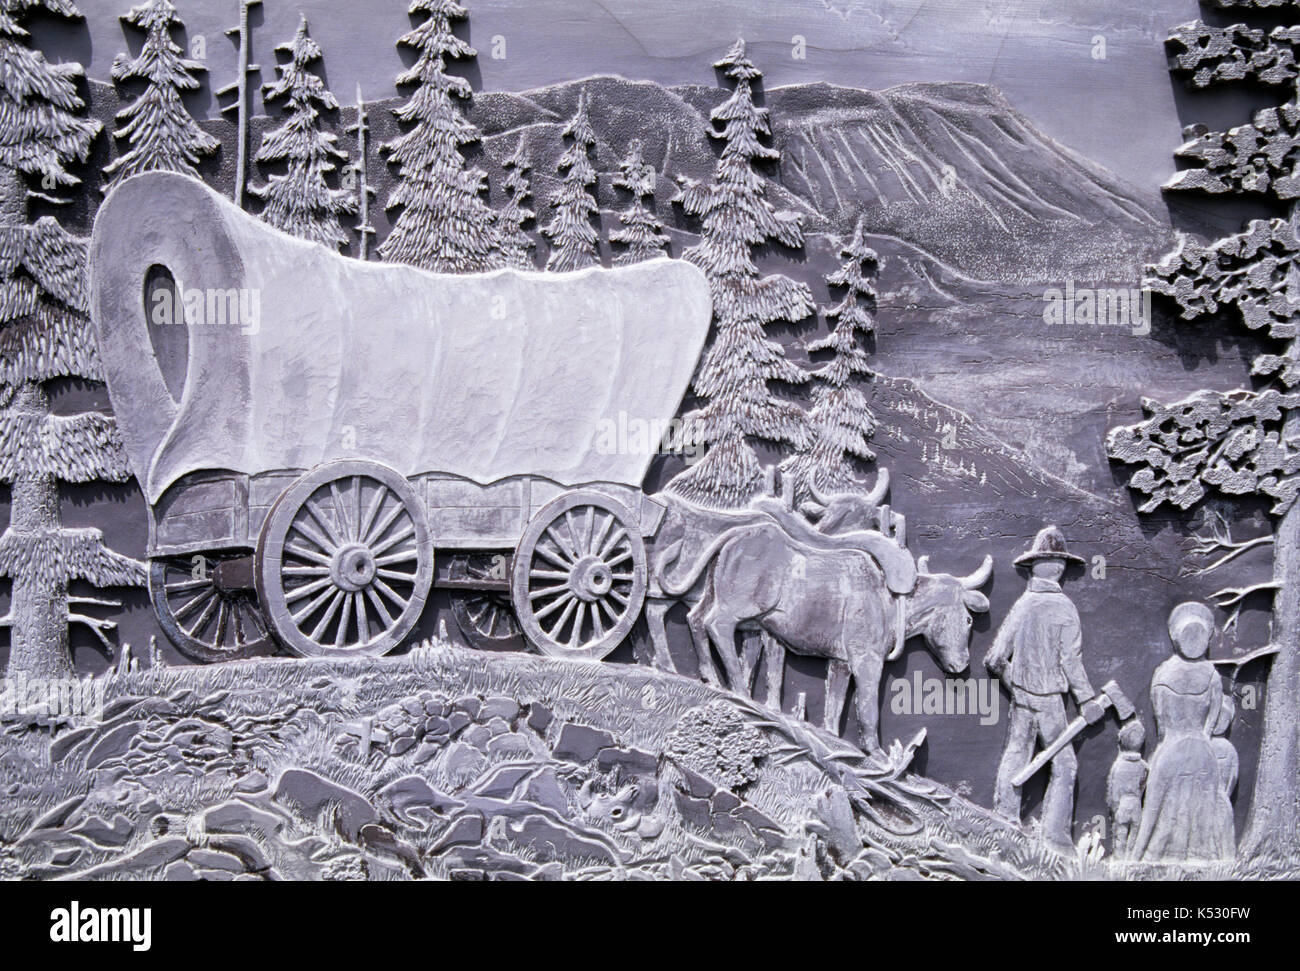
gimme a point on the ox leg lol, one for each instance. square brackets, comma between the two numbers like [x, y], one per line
[656, 612]
[774, 661]
[700, 638]
[837, 689]
[722, 631]
[752, 651]
[866, 675]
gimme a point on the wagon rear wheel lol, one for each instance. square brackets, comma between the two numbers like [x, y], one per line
[344, 562]
[207, 607]
[579, 576]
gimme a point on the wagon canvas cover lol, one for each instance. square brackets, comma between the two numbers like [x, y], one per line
[483, 376]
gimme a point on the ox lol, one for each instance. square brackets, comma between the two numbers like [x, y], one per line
[827, 601]
[688, 529]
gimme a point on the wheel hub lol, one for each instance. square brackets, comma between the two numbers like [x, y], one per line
[352, 568]
[591, 579]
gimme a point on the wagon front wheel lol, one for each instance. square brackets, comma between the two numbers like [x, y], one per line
[579, 576]
[344, 561]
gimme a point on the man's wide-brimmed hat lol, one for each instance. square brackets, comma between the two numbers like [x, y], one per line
[1049, 544]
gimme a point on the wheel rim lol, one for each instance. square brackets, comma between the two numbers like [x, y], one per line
[486, 618]
[205, 622]
[579, 576]
[345, 562]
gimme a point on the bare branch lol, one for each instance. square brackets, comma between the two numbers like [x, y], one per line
[1235, 595]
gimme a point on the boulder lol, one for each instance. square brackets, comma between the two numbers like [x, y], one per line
[312, 795]
[113, 744]
[413, 800]
[578, 743]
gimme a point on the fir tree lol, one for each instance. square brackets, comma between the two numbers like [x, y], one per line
[1246, 441]
[445, 224]
[44, 335]
[516, 245]
[160, 133]
[300, 201]
[841, 422]
[641, 232]
[733, 376]
[571, 231]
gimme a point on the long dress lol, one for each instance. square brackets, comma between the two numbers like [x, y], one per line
[1186, 815]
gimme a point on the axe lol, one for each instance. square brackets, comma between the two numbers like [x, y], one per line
[1110, 697]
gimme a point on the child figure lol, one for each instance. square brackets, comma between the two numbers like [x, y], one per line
[1124, 787]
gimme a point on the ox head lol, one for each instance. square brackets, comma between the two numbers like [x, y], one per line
[843, 512]
[941, 609]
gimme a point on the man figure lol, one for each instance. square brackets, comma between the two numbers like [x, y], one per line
[1038, 655]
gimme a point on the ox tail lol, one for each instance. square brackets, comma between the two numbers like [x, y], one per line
[678, 586]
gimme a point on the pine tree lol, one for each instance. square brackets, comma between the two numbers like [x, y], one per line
[734, 374]
[1244, 442]
[160, 133]
[516, 245]
[300, 201]
[44, 335]
[445, 224]
[841, 421]
[642, 231]
[571, 231]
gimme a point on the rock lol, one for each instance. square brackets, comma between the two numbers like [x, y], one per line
[401, 745]
[724, 801]
[66, 856]
[696, 784]
[466, 830]
[464, 763]
[385, 844]
[66, 742]
[539, 717]
[436, 725]
[544, 789]
[497, 726]
[548, 840]
[248, 850]
[836, 813]
[236, 816]
[478, 736]
[156, 854]
[632, 761]
[253, 782]
[499, 706]
[113, 744]
[425, 751]
[312, 796]
[512, 745]
[109, 835]
[456, 721]
[470, 706]
[464, 874]
[502, 781]
[578, 743]
[692, 810]
[60, 814]
[119, 705]
[180, 870]
[413, 800]
[214, 876]
[205, 859]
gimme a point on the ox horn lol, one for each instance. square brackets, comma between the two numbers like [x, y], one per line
[979, 577]
[880, 488]
[923, 564]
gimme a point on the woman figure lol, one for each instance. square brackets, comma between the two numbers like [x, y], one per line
[1186, 815]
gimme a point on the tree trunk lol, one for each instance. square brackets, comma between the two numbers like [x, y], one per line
[39, 605]
[13, 197]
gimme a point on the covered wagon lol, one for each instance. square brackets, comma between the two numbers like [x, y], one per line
[321, 440]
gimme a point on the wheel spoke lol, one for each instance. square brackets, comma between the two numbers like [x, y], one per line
[237, 621]
[380, 495]
[548, 575]
[402, 535]
[397, 575]
[547, 591]
[331, 529]
[323, 624]
[611, 544]
[556, 560]
[379, 606]
[597, 629]
[402, 556]
[598, 540]
[363, 618]
[202, 622]
[554, 632]
[222, 617]
[625, 555]
[389, 518]
[195, 602]
[345, 522]
[565, 548]
[306, 554]
[575, 635]
[310, 532]
[185, 586]
[301, 617]
[390, 593]
[306, 590]
[305, 571]
[341, 633]
[553, 606]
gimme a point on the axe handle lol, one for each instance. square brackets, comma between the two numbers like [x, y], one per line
[1071, 732]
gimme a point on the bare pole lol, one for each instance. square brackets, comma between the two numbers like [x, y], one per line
[240, 104]
[364, 191]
